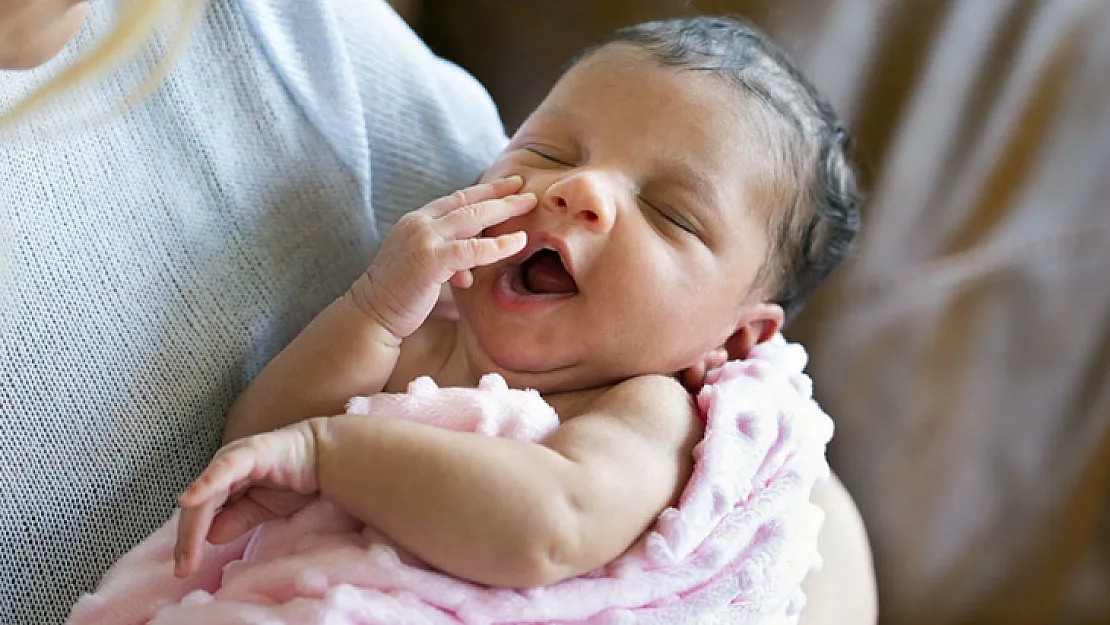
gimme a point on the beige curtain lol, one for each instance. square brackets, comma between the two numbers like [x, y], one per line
[965, 352]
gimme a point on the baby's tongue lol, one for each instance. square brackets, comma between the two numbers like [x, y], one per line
[544, 273]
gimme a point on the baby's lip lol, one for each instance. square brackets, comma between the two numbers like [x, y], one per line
[545, 241]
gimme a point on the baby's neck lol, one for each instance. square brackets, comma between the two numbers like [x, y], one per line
[433, 351]
[436, 351]
[456, 369]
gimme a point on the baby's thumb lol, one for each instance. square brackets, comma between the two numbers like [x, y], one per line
[237, 518]
[693, 378]
[462, 279]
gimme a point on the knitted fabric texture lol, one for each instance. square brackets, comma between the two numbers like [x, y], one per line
[153, 259]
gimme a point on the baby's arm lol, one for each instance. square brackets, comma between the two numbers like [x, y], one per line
[512, 513]
[351, 348]
[491, 510]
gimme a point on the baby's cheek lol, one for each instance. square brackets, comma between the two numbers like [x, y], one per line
[498, 169]
[512, 225]
[507, 163]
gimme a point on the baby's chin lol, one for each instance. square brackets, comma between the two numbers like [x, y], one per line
[546, 383]
[523, 372]
[543, 377]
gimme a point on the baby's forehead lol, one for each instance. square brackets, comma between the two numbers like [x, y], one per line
[691, 125]
[716, 95]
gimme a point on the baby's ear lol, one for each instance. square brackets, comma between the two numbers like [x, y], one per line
[757, 323]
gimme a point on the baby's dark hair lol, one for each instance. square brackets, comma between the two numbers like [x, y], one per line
[814, 232]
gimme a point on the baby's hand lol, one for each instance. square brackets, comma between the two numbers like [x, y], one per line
[275, 474]
[436, 244]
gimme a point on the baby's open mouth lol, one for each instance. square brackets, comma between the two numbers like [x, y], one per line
[543, 273]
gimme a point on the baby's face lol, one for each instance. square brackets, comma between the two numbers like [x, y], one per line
[647, 238]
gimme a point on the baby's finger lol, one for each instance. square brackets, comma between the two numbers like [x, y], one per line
[462, 279]
[225, 473]
[717, 358]
[237, 518]
[693, 378]
[192, 529]
[478, 193]
[467, 253]
[472, 219]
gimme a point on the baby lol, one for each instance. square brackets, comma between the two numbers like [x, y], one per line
[672, 202]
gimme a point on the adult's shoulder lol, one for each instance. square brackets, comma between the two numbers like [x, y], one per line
[380, 95]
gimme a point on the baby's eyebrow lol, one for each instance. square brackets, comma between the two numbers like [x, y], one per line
[681, 174]
[562, 113]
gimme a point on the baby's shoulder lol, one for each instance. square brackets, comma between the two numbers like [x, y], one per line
[649, 403]
[648, 395]
[647, 389]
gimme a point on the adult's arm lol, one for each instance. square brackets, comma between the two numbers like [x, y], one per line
[843, 591]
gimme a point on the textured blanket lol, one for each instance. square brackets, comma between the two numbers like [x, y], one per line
[739, 542]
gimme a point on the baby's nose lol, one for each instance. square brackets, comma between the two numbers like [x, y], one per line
[588, 214]
[584, 196]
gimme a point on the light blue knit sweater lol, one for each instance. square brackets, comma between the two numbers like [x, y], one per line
[150, 264]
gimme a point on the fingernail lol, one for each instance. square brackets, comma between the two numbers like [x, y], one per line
[515, 178]
[523, 198]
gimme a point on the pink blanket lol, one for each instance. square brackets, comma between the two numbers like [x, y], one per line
[741, 539]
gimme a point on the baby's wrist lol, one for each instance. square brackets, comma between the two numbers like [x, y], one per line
[323, 442]
[329, 435]
[361, 297]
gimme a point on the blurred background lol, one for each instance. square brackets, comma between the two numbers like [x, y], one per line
[964, 353]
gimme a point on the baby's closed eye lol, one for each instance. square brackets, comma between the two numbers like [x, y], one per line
[551, 155]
